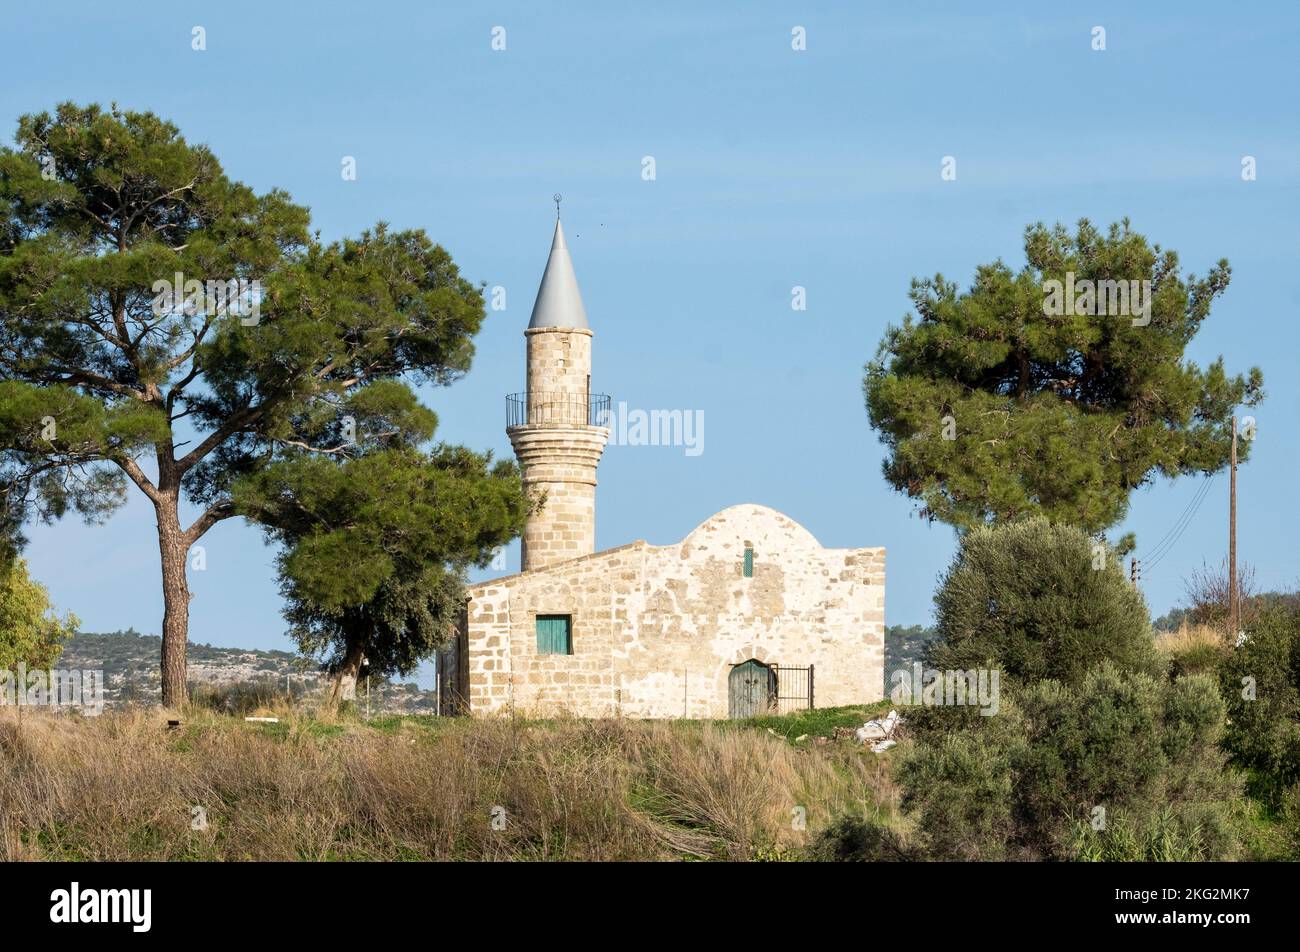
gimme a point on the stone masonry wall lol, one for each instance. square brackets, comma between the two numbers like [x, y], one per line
[656, 629]
[557, 450]
[559, 469]
[558, 361]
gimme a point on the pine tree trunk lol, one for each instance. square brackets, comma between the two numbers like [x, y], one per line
[176, 601]
[350, 668]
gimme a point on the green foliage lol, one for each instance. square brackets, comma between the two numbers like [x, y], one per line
[376, 548]
[94, 208]
[1261, 681]
[1170, 620]
[1289, 816]
[961, 786]
[852, 839]
[1166, 838]
[1020, 784]
[30, 632]
[905, 645]
[1059, 415]
[819, 721]
[1026, 597]
[52, 439]
[1201, 658]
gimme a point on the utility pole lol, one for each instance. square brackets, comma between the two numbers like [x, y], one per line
[1134, 572]
[1233, 607]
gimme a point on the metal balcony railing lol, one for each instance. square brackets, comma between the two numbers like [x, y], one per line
[538, 408]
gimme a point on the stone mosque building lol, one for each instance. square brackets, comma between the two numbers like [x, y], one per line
[745, 615]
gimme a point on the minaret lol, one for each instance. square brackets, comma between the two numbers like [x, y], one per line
[553, 427]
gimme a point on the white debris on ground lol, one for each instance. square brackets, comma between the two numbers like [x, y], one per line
[879, 732]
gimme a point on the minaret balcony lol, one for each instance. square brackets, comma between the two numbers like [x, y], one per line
[539, 408]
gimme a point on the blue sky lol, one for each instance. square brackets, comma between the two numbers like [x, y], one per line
[775, 168]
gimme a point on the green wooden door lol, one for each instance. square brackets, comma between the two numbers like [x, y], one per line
[750, 689]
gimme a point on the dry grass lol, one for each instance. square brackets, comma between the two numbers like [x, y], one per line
[122, 787]
[1191, 638]
[1194, 649]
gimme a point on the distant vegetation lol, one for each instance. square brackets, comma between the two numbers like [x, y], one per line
[130, 664]
[905, 645]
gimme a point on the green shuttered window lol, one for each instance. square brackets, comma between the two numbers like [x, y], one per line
[555, 634]
[749, 562]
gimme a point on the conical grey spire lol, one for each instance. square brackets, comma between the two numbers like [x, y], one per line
[559, 303]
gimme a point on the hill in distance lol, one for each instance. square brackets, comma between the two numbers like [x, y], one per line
[129, 661]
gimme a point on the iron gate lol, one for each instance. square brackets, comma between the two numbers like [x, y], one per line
[794, 688]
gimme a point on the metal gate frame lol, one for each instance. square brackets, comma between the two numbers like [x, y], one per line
[798, 696]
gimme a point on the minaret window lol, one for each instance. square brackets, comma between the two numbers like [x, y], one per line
[749, 561]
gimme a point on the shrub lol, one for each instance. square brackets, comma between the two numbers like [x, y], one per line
[1026, 596]
[852, 839]
[963, 788]
[1192, 649]
[1168, 838]
[1289, 817]
[1261, 681]
[239, 698]
[1023, 784]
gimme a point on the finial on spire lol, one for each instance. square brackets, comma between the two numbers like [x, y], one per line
[557, 198]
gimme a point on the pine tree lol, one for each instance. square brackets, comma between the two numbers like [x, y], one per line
[375, 548]
[1017, 396]
[165, 327]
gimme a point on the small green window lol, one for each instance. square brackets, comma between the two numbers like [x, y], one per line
[749, 561]
[555, 634]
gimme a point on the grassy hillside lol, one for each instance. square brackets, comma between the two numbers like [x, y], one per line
[400, 788]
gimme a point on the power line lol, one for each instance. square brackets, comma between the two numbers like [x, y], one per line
[1176, 533]
[1165, 538]
[1166, 545]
